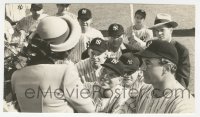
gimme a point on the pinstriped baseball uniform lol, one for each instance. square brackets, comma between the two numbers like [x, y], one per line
[144, 34]
[83, 43]
[86, 70]
[110, 105]
[172, 102]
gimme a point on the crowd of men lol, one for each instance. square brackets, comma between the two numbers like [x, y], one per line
[73, 68]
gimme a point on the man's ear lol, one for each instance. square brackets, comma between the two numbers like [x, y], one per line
[166, 68]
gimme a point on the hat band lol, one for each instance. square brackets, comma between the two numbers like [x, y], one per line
[157, 21]
[58, 40]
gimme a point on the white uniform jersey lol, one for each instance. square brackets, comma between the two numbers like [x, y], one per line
[143, 34]
[17, 11]
[87, 72]
[28, 24]
[173, 102]
[83, 43]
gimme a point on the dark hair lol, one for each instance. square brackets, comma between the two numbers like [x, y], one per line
[141, 12]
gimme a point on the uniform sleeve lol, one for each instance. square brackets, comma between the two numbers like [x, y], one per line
[73, 91]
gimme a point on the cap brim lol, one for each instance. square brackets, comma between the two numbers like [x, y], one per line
[72, 40]
[172, 24]
[147, 54]
[107, 65]
[129, 68]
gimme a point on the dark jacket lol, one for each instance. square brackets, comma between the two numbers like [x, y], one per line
[183, 67]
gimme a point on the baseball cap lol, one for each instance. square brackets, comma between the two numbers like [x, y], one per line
[115, 30]
[115, 65]
[141, 12]
[163, 19]
[130, 61]
[98, 44]
[63, 33]
[36, 7]
[160, 49]
[84, 14]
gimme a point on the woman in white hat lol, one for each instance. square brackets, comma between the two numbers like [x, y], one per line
[45, 86]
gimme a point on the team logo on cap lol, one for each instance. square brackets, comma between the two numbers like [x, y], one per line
[115, 27]
[20, 7]
[114, 61]
[98, 42]
[130, 62]
[83, 11]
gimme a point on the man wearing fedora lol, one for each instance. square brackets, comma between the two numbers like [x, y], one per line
[162, 92]
[163, 28]
[45, 85]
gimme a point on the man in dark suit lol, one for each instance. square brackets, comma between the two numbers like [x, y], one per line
[163, 28]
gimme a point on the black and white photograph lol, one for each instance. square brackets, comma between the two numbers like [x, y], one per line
[116, 58]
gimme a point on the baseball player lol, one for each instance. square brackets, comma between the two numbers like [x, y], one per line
[133, 78]
[63, 9]
[88, 33]
[115, 41]
[15, 12]
[28, 24]
[108, 94]
[138, 33]
[162, 92]
[53, 82]
[90, 68]
[163, 28]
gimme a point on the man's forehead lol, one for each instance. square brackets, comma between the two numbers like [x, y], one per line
[151, 59]
[161, 27]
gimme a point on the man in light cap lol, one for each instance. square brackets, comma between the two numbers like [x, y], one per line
[88, 33]
[163, 93]
[163, 28]
[44, 85]
[28, 24]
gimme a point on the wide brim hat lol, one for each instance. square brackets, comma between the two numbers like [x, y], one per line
[63, 33]
[163, 19]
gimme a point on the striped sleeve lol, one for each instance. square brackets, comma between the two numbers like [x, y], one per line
[86, 70]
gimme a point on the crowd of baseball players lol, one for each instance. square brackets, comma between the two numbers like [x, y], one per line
[72, 67]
